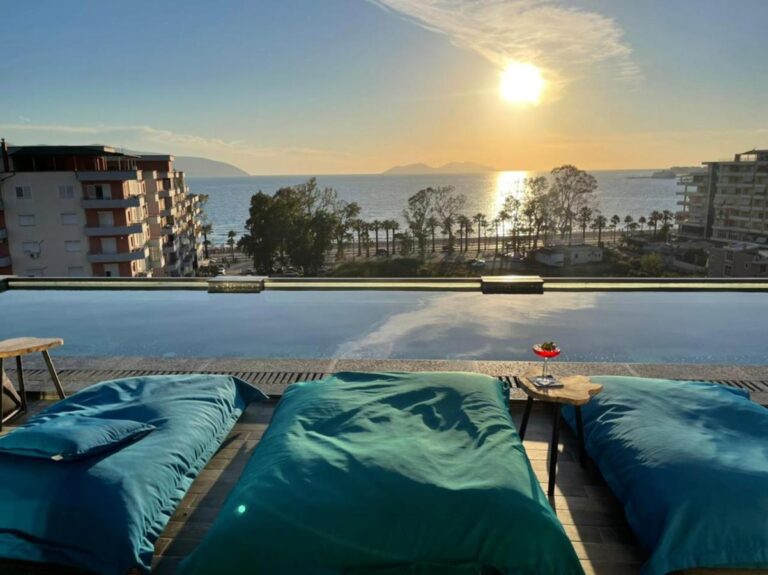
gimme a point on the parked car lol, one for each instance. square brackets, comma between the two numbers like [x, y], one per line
[512, 257]
[382, 252]
[476, 263]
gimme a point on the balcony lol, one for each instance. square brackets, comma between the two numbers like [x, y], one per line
[5, 261]
[105, 204]
[131, 256]
[109, 175]
[114, 230]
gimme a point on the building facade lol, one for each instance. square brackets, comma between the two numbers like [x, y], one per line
[728, 202]
[738, 261]
[87, 211]
[560, 256]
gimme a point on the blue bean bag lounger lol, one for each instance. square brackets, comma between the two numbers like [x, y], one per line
[689, 462]
[385, 473]
[91, 482]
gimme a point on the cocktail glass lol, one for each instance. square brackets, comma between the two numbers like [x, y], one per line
[546, 354]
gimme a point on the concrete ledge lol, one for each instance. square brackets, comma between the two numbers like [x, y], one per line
[98, 283]
[512, 285]
[376, 284]
[236, 284]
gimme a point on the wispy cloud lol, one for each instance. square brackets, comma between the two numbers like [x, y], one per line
[497, 324]
[139, 136]
[563, 40]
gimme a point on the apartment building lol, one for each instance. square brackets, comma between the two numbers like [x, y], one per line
[738, 261]
[172, 214]
[728, 202]
[84, 211]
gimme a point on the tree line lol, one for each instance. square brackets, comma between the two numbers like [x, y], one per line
[300, 225]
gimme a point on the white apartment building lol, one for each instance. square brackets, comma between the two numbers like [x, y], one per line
[83, 211]
[729, 202]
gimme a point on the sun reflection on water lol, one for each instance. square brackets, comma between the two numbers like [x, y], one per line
[507, 184]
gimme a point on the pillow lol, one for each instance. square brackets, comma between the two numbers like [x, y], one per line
[71, 437]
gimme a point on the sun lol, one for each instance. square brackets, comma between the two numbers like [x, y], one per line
[521, 83]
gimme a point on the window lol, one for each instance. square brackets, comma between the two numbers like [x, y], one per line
[108, 245]
[26, 219]
[35, 272]
[30, 247]
[23, 192]
[106, 219]
[76, 271]
[101, 192]
[727, 270]
[72, 245]
[729, 256]
[69, 219]
[66, 192]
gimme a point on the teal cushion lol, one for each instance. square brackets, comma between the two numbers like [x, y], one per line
[70, 437]
[689, 462]
[388, 473]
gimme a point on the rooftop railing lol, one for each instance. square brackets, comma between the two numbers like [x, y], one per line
[484, 284]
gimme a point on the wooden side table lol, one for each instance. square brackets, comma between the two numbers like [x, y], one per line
[17, 348]
[577, 390]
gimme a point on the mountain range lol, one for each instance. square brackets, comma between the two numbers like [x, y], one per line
[203, 167]
[449, 168]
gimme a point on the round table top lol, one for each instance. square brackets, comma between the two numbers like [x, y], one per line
[25, 345]
[576, 390]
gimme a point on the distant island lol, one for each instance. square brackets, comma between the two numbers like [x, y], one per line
[449, 168]
[203, 167]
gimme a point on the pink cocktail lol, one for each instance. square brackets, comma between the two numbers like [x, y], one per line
[546, 350]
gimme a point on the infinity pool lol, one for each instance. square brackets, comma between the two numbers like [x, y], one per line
[728, 328]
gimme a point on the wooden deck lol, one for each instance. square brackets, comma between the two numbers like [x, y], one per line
[590, 514]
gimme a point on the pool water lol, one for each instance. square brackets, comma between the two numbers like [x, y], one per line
[727, 328]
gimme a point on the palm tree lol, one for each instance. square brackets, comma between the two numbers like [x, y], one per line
[447, 228]
[357, 227]
[628, 220]
[432, 225]
[481, 222]
[206, 229]
[503, 217]
[231, 235]
[615, 221]
[584, 216]
[654, 220]
[666, 218]
[465, 226]
[642, 221]
[376, 224]
[394, 226]
[367, 238]
[598, 224]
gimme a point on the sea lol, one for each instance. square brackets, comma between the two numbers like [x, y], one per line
[622, 192]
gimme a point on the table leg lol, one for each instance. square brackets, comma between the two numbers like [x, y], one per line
[54, 376]
[580, 432]
[20, 377]
[553, 447]
[2, 393]
[526, 415]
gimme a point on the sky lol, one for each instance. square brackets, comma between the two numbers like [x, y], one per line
[358, 86]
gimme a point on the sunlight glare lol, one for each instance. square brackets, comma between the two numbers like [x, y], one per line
[508, 184]
[521, 83]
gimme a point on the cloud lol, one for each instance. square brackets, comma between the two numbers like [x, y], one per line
[489, 326]
[564, 41]
[147, 136]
